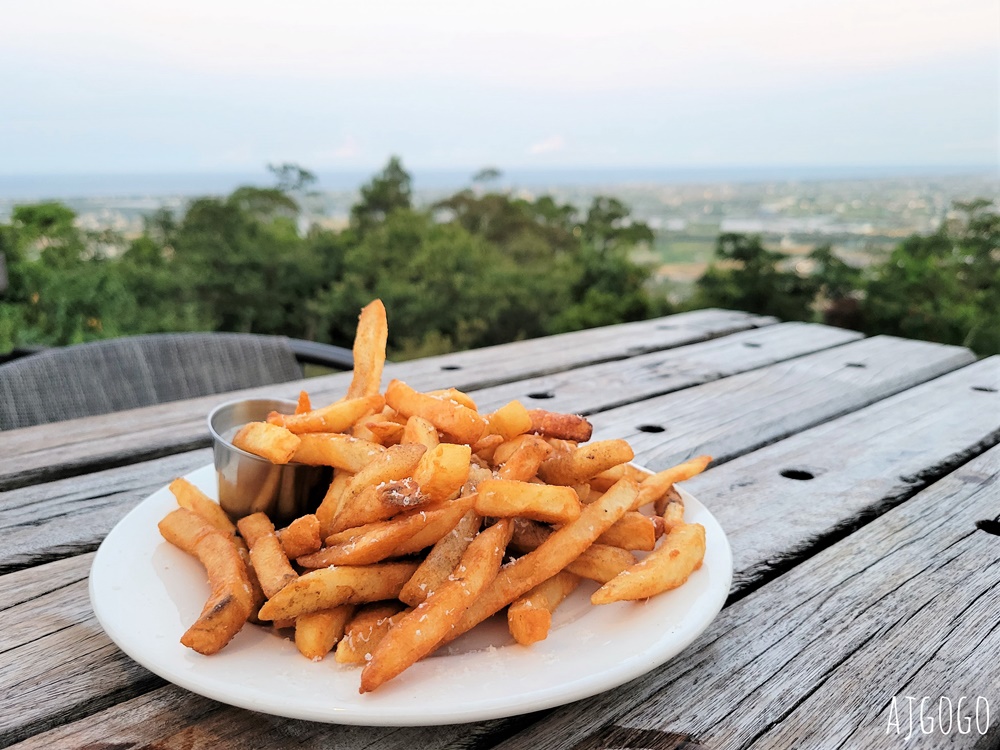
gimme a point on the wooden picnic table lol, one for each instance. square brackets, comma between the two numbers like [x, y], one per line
[856, 479]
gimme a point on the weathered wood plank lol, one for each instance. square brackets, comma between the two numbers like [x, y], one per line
[47, 452]
[729, 417]
[906, 606]
[587, 390]
[71, 516]
[870, 461]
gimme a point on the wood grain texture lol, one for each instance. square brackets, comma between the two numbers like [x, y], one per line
[62, 449]
[70, 516]
[922, 433]
[729, 417]
[906, 606]
[587, 390]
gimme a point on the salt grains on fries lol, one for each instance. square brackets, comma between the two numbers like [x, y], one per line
[428, 497]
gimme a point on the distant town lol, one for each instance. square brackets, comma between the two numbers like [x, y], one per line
[861, 218]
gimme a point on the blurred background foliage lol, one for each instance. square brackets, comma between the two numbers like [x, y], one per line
[477, 268]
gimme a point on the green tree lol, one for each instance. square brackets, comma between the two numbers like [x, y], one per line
[387, 191]
[750, 277]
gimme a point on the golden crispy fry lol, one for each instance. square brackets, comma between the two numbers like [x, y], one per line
[505, 498]
[369, 350]
[301, 537]
[330, 505]
[605, 479]
[337, 417]
[256, 592]
[554, 554]
[387, 431]
[230, 602]
[335, 449]
[368, 626]
[560, 426]
[304, 403]
[419, 431]
[330, 587]
[673, 514]
[266, 553]
[461, 422]
[657, 485]
[585, 462]
[599, 562]
[269, 441]
[190, 497]
[530, 617]
[509, 421]
[477, 474]
[379, 503]
[441, 560]
[397, 462]
[667, 567]
[670, 497]
[486, 446]
[318, 632]
[417, 633]
[443, 470]
[402, 535]
[522, 463]
[456, 396]
[632, 531]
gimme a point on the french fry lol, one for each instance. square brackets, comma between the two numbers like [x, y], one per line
[300, 537]
[441, 560]
[402, 535]
[369, 350]
[509, 421]
[387, 431]
[530, 617]
[269, 441]
[657, 485]
[668, 566]
[190, 497]
[486, 446]
[461, 422]
[266, 553]
[633, 531]
[506, 498]
[337, 417]
[417, 633]
[603, 481]
[522, 463]
[318, 632]
[256, 592]
[330, 587]
[397, 462]
[379, 503]
[304, 403]
[368, 626]
[419, 431]
[599, 562]
[337, 450]
[455, 396]
[230, 601]
[585, 462]
[554, 554]
[560, 426]
[330, 505]
[442, 471]
[673, 514]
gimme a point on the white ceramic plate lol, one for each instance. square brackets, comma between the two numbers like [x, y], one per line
[146, 593]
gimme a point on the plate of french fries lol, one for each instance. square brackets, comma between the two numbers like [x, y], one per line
[461, 566]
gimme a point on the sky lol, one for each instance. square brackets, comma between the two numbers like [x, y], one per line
[120, 87]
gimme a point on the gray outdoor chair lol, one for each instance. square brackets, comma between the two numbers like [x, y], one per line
[125, 373]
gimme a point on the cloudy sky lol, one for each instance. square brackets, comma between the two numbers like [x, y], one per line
[226, 85]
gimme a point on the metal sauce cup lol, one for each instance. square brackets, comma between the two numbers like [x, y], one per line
[250, 484]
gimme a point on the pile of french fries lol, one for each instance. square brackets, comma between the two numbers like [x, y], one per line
[429, 498]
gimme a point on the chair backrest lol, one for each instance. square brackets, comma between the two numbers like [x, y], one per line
[106, 376]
